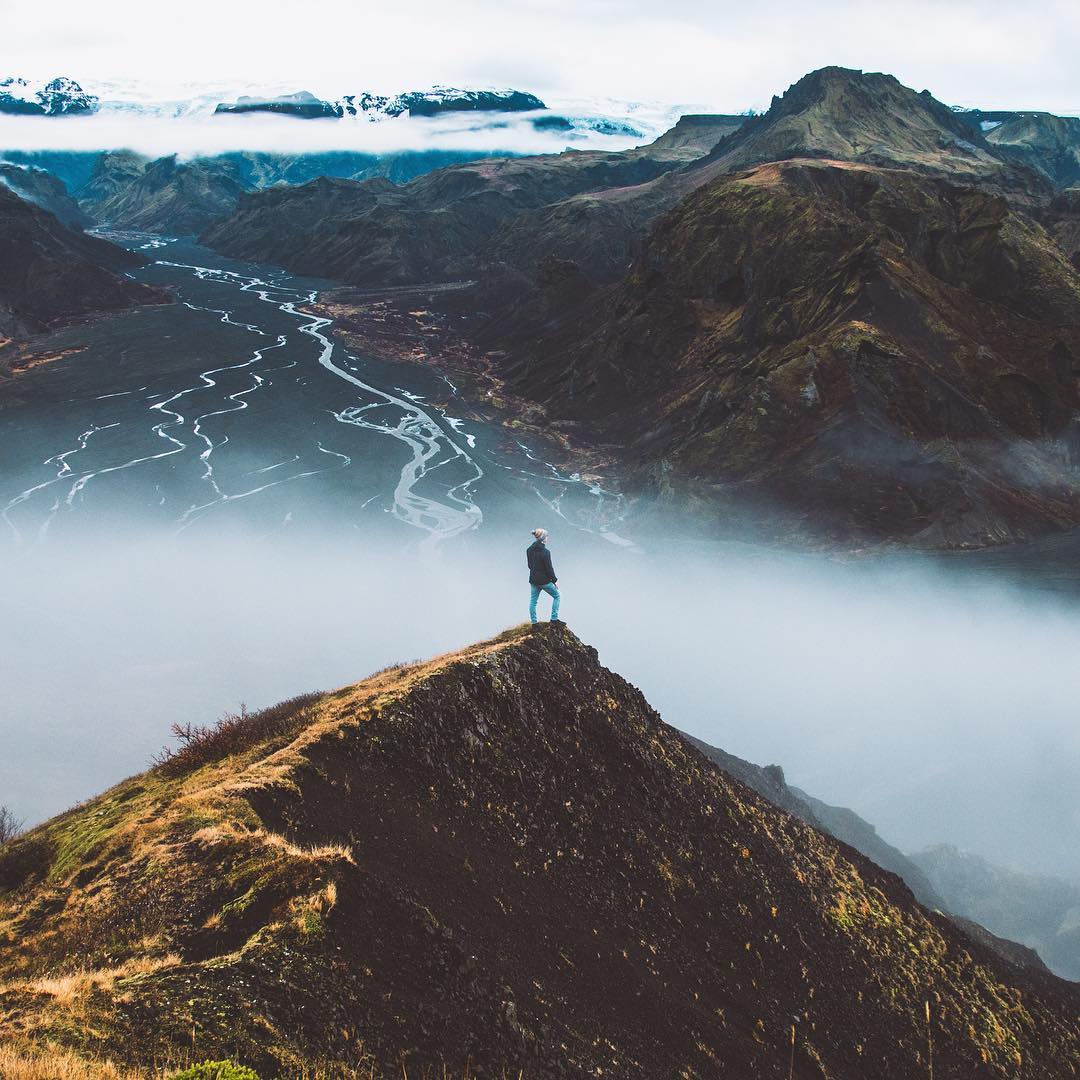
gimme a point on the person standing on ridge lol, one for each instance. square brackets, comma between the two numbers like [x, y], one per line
[541, 575]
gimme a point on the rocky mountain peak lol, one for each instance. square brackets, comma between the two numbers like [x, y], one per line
[847, 115]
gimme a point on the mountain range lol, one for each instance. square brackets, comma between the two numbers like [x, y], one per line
[498, 860]
[486, 219]
[844, 351]
[471, 108]
[853, 319]
[57, 97]
[433, 102]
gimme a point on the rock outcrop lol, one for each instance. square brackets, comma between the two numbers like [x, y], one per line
[844, 115]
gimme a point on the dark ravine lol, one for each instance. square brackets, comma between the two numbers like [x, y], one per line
[498, 860]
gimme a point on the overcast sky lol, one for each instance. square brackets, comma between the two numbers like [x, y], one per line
[722, 55]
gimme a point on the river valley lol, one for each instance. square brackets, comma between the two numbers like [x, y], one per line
[236, 408]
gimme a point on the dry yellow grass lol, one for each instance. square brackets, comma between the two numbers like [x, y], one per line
[138, 822]
[226, 832]
[48, 1062]
[65, 988]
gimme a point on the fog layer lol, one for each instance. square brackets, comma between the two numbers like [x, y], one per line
[940, 707]
[158, 136]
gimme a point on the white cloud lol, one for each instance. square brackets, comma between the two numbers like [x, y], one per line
[721, 55]
[208, 135]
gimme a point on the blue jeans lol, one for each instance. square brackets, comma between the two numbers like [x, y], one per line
[552, 591]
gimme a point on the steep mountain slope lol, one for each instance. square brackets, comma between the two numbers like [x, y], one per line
[113, 173]
[1047, 143]
[844, 824]
[50, 272]
[1063, 222]
[479, 219]
[770, 783]
[169, 195]
[1042, 912]
[43, 189]
[500, 859]
[852, 353]
[73, 168]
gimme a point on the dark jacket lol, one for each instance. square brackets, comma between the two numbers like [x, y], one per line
[540, 569]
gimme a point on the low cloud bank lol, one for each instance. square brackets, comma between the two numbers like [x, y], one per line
[940, 706]
[204, 135]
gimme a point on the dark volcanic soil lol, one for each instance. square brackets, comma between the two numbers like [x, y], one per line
[500, 860]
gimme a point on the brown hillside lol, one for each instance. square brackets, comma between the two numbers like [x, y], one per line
[500, 859]
[851, 352]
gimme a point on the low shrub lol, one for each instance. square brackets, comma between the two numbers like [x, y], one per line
[234, 732]
[10, 825]
[216, 1070]
[24, 859]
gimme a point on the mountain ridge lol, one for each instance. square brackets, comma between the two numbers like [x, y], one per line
[50, 271]
[477, 219]
[501, 858]
[1039, 911]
